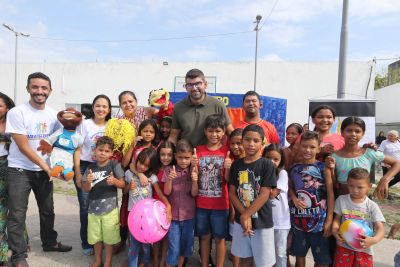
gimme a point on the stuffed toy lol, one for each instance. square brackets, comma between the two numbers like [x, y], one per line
[160, 98]
[63, 143]
[123, 133]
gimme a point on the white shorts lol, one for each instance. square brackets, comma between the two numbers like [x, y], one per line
[260, 246]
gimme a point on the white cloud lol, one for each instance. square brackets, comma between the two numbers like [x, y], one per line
[117, 9]
[271, 57]
[283, 34]
[36, 50]
[198, 52]
[7, 7]
[374, 8]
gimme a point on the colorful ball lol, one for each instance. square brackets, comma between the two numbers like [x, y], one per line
[148, 221]
[351, 230]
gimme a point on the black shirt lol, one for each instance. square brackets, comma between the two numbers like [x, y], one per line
[248, 178]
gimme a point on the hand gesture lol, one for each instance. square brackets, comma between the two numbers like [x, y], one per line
[194, 161]
[138, 139]
[111, 179]
[195, 174]
[327, 148]
[172, 174]
[227, 161]
[330, 162]
[299, 203]
[370, 145]
[382, 190]
[144, 181]
[90, 176]
[338, 237]
[245, 222]
[393, 230]
[365, 241]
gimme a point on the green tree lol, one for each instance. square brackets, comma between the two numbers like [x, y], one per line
[380, 81]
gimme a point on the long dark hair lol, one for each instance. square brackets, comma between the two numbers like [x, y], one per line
[321, 107]
[7, 101]
[91, 113]
[154, 162]
[279, 149]
[353, 120]
[156, 132]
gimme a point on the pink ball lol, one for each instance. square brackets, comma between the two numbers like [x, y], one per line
[148, 221]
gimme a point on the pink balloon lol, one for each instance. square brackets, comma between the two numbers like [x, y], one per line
[148, 221]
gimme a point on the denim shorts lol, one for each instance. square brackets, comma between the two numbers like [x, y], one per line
[302, 241]
[180, 240]
[212, 222]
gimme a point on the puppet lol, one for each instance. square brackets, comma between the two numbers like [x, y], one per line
[62, 144]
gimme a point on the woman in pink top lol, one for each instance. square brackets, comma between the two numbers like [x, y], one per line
[323, 118]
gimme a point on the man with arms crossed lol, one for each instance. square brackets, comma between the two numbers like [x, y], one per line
[190, 113]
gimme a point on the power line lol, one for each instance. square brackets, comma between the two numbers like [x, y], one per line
[270, 13]
[386, 59]
[142, 40]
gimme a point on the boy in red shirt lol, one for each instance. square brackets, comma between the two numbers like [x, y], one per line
[212, 201]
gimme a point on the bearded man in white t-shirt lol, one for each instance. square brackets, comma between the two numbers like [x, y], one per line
[28, 169]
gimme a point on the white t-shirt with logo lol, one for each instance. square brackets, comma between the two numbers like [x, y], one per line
[90, 132]
[280, 205]
[36, 124]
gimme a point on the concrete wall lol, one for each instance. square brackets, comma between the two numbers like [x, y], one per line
[295, 81]
[388, 100]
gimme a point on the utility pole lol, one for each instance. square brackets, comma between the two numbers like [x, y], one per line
[16, 33]
[258, 19]
[341, 89]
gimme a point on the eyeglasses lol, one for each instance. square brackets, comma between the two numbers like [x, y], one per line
[193, 85]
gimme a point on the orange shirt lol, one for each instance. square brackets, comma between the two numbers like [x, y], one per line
[271, 135]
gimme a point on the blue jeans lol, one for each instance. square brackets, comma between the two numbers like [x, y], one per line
[180, 240]
[280, 238]
[397, 260]
[138, 252]
[83, 199]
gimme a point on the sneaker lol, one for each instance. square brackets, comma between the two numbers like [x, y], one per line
[58, 248]
[88, 251]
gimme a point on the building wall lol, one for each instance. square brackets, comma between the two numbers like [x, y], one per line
[296, 81]
[388, 99]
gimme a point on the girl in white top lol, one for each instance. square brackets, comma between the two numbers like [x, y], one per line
[280, 205]
[91, 130]
[391, 147]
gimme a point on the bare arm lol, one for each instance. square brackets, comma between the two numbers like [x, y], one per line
[330, 202]
[77, 166]
[23, 145]
[367, 241]
[195, 178]
[381, 191]
[164, 199]
[168, 183]
[151, 112]
[335, 229]
[235, 200]
[173, 136]
[257, 203]
[229, 129]
[126, 159]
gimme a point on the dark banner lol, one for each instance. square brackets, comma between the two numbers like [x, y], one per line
[272, 110]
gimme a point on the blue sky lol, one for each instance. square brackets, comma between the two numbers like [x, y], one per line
[296, 30]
